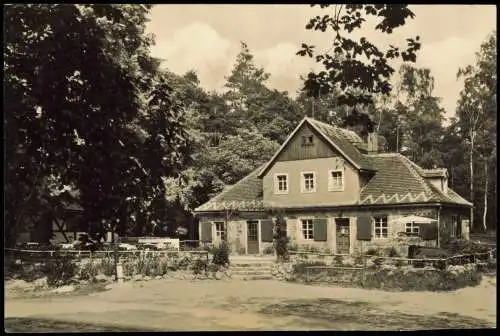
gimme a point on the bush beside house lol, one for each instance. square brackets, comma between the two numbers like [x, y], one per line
[63, 270]
[387, 277]
[379, 272]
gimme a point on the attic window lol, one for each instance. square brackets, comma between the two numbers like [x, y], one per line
[307, 140]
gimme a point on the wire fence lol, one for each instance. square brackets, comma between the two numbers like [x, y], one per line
[45, 255]
[346, 273]
[33, 264]
[193, 245]
[441, 263]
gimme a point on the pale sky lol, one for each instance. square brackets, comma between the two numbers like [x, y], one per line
[206, 38]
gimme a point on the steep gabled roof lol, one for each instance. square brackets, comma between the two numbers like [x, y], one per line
[396, 179]
[343, 139]
[393, 181]
[340, 139]
[399, 180]
[245, 194]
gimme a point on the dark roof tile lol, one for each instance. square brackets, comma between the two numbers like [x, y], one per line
[245, 194]
[344, 140]
[396, 179]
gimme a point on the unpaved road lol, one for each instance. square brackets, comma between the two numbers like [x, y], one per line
[265, 305]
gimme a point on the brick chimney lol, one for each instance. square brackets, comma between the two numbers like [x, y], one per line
[372, 142]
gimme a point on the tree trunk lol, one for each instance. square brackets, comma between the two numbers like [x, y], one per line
[397, 139]
[485, 210]
[471, 163]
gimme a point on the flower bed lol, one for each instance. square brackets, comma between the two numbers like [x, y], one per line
[459, 246]
[390, 277]
[420, 279]
[60, 268]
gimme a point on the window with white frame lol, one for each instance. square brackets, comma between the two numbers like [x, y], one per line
[335, 180]
[281, 184]
[308, 182]
[381, 227]
[220, 233]
[307, 229]
[412, 229]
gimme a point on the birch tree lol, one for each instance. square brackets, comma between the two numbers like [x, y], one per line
[476, 112]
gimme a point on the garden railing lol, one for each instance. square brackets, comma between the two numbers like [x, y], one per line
[47, 254]
[441, 263]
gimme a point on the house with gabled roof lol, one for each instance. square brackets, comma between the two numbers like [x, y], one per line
[336, 191]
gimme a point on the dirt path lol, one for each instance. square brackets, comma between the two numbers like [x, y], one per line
[265, 305]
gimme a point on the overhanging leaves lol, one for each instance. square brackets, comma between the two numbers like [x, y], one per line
[357, 66]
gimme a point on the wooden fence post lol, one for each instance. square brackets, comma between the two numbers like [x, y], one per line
[206, 264]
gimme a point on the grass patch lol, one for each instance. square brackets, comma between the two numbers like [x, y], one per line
[342, 315]
[23, 324]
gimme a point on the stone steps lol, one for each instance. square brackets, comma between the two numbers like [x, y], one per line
[256, 268]
[252, 262]
[254, 265]
[252, 277]
[250, 271]
[251, 268]
[241, 259]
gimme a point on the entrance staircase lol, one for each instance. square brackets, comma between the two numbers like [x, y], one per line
[251, 267]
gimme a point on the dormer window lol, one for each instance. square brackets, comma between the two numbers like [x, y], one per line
[307, 140]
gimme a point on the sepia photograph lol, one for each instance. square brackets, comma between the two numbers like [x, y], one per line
[249, 167]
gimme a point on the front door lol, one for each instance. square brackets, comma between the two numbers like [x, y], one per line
[343, 236]
[253, 237]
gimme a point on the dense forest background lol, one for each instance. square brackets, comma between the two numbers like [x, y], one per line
[91, 117]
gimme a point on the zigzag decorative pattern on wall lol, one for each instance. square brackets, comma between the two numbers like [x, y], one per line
[396, 198]
[233, 205]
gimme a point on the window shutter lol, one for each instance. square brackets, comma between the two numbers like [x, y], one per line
[428, 231]
[206, 231]
[364, 228]
[266, 230]
[319, 227]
